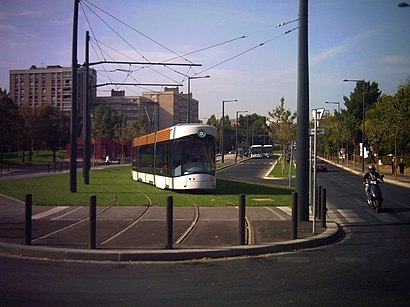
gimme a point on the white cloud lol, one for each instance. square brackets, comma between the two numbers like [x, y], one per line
[343, 46]
[395, 59]
[7, 28]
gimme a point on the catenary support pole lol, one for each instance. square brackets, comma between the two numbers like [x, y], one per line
[302, 137]
[73, 122]
[86, 115]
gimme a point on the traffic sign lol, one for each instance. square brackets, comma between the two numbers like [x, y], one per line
[319, 130]
[318, 113]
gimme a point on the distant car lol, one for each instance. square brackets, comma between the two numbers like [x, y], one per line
[321, 166]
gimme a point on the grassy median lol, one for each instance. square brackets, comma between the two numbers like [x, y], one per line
[115, 186]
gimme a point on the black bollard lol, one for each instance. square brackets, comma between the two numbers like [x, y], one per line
[324, 209]
[294, 215]
[27, 229]
[93, 221]
[170, 217]
[242, 223]
[319, 204]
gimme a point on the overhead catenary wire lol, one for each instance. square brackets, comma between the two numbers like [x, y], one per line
[177, 55]
[130, 73]
[139, 32]
[129, 44]
[248, 50]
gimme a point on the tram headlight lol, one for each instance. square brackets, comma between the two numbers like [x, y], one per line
[202, 133]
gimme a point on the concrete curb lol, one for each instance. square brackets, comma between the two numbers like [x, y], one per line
[331, 234]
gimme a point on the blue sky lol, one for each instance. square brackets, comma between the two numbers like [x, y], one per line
[351, 39]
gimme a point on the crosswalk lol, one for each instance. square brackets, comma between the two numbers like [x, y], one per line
[350, 216]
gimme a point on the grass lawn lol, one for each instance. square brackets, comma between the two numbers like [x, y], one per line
[115, 186]
[277, 170]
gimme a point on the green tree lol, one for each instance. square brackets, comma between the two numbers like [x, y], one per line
[10, 123]
[104, 121]
[346, 128]
[53, 128]
[125, 131]
[282, 127]
[365, 94]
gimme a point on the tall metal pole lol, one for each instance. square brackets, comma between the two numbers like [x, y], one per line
[222, 131]
[73, 123]
[314, 171]
[363, 118]
[86, 115]
[302, 137]
[189, 99]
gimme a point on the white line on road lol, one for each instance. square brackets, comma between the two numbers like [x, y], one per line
[49, 212]
[350, 216]
[280, 217]
[65, 214]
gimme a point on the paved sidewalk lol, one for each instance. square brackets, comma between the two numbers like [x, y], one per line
[139, 234]
[63, 233]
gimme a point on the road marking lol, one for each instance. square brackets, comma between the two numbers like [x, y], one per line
[280, 217]
[287, 210]
[350, 216]
[385, 217]
[332, 215]
[49, 212]
[65, 214]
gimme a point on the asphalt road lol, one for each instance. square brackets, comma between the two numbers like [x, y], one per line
[371, 266]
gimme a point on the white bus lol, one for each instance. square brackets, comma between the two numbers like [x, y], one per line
[256, 151]
[181, 157]
[267, 151]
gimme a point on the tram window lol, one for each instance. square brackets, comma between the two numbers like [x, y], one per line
[194, 155]
[134, 158]
[146, 158]
[162, 155]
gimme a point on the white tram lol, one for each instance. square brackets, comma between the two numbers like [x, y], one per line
[181, 157]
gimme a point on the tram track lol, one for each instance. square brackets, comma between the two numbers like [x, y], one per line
[130, 225]
[52, 233]
[137, 219]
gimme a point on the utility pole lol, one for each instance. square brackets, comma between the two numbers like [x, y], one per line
[302, 136]
[73, 123]
[86, 115]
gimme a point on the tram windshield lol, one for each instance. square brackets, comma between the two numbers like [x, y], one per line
[193, 154]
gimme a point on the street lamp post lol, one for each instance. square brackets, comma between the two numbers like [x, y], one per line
[223, 125]
[236, 135]
[338, 141]
[363, 117]
[189, 95]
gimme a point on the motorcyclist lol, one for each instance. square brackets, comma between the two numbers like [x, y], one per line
[371, 175]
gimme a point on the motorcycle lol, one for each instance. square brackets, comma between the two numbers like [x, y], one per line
[375, 193]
